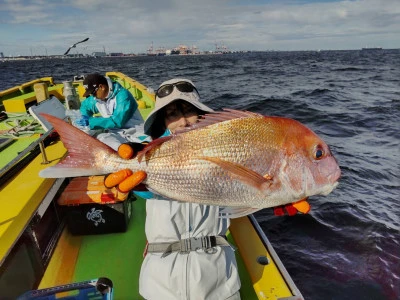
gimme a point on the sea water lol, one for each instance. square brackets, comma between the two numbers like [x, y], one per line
[347, 247]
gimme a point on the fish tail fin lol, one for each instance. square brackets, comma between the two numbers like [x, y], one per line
[86, 155]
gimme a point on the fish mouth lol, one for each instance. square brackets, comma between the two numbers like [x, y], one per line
[332, 181]
[329, 188]
[335, 175]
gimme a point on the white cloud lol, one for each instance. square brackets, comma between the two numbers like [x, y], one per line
[130, 26]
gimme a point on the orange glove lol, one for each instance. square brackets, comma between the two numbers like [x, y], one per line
[130, 150]
[301, 206]
[125, 179]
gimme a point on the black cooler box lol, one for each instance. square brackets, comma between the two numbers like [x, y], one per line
[91, 208]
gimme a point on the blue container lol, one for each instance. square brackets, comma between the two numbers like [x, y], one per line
[96, 289]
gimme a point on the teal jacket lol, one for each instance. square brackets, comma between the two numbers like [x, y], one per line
[124, 108]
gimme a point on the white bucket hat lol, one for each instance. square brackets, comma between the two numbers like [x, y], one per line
[191, 97]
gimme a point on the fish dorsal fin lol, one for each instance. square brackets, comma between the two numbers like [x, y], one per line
[152, 145]
[212, 118]
[242, 173]
[82, 148]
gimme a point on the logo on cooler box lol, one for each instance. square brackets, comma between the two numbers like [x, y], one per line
[95, 216]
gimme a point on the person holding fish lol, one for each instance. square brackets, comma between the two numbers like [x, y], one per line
[119, 116]
[230, 163]
[188, 256]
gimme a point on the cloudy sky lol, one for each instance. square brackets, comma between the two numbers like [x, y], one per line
[45, 26]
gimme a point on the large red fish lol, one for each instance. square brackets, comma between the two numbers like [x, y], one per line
[235, 159]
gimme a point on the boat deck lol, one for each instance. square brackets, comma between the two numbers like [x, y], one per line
[118, 256]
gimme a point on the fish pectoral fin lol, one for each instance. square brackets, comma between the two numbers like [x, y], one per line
[242, 173]
[152, 145]
[236, 212]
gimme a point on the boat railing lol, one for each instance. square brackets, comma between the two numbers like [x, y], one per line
[24, 88]
[38, 143]
[286, 276]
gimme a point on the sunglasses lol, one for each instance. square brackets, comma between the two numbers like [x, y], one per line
[182, 86]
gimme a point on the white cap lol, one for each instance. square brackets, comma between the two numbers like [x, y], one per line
[192, 98]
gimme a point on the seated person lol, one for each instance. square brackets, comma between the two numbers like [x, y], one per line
[116, 106]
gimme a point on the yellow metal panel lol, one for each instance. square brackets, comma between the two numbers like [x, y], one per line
[18, 105]
[21, 196]
[81, 90]
[267, 280]
[141, 104]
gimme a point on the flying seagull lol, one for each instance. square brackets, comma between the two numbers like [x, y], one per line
[74, 45]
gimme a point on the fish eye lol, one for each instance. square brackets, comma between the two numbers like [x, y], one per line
[319, 152]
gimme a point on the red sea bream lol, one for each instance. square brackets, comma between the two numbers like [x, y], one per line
[235, 159]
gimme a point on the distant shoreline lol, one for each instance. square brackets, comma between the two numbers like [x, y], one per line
[40, 57]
